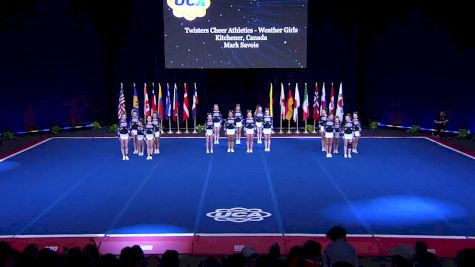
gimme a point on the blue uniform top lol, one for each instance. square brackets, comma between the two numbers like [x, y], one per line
[230, 123]
[337, 128]
[267, 121]
[259, 116]
[348, 127]
[357, 124]
[250, 124]
[217, 117]
[156, 124]
[238, 116]
[149, 128]
[134, 123]
[323, 120]
[123, 129]
[140, 130]
[209, 124]
[329, 126]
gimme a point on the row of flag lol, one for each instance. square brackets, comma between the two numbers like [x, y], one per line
[169, 110]
[289, 106]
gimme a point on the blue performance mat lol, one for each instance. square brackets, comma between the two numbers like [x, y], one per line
[394, 186]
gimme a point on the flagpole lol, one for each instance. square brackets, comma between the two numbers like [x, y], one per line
[297, 126]
[178, 123]
[169, 126]
[305, 132]
[288, 129]
[194, 126]
[281, 122]
[186, 126]
[314, 130]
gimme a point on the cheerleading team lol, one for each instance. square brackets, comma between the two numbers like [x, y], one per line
[332, 129]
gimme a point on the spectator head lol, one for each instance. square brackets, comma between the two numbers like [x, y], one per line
[274, 251]
[91, 252]
[336, 232]
[466, 258]
[312, 249]
[248, 252]
[295, 252]
[6, 254]
[137, 255]
[170, 259]
[420, 247]
[402, 250]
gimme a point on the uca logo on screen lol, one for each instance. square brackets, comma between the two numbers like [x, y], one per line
[238, 215]
[189, 9]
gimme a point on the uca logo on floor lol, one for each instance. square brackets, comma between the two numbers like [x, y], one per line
[238, 215]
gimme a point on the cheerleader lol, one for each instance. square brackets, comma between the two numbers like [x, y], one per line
[348, 135]
[217, 119]
[329, 129]
[238, 120]
[267, 129]
[140, 138]
[336, 135]
[149, 137]
[230, 130]
[209, 133]
[134, 125]
[250, 126]
[124, 137]
[259, 119]
[323, 120]
[357, 125]
[156, 128]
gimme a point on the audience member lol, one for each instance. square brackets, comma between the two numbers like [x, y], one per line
[339, 251]
[423, 258]
[465, 258]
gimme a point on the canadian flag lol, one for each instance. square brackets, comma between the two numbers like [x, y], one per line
[339, 105]
[282, 100]
[331, 106]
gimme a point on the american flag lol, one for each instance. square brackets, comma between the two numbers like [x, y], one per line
[121, 106]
